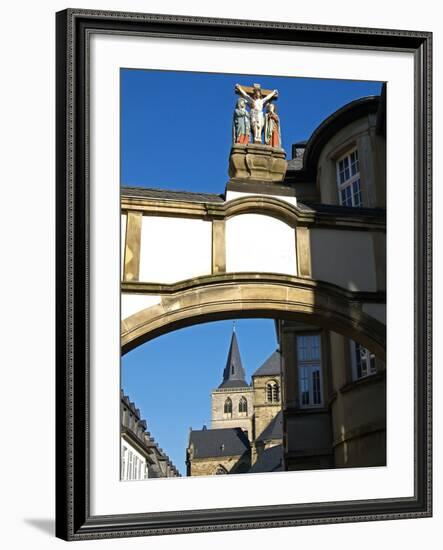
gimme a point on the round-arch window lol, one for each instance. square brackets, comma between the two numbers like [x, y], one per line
[272, 392]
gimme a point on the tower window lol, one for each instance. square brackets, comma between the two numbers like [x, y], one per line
[348, 180]
[309, 371]
[272, 392]
[243, 406]
[227, 409]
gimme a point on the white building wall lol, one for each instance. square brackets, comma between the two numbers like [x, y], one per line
[255, 242]
[232, 195]
[174, 249]
[132, 303]
[133, 464]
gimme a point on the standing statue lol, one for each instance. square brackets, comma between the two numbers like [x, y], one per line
[257, 102]
[272, 127]
[241, 125]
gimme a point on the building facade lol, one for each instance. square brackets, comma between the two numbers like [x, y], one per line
[302, 242]
[141, 456]
[335, 388]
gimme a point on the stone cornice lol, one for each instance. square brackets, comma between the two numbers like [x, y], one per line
[352, 218]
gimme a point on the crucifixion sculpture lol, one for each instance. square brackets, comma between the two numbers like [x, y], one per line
[257, 99]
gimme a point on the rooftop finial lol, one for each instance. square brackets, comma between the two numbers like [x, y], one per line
[233, 326]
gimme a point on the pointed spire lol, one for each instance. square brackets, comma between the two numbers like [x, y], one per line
[234, 374]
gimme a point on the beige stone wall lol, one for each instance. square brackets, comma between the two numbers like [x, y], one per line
[219, 419]
[345, 258]
[208, 466]
[372, 156]
[350, 430]
[264, 412]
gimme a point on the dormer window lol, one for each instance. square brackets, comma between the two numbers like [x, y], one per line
[348, 180]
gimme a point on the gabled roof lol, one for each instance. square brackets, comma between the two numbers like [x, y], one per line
[219, 442]
[271, 460]
[271, 367]
[234, 373]
[274, 430]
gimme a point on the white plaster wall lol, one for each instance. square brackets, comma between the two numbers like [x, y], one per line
[345, 258]
[132, 303]
[122, 243]
[232, 195]
[255, 242]
[174, 249]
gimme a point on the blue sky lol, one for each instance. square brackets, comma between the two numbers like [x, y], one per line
[171, 377]
[176, 127]
[176, 132]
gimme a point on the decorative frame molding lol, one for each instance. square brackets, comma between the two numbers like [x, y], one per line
[74, 520]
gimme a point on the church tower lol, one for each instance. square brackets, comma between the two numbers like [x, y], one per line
[232, 401]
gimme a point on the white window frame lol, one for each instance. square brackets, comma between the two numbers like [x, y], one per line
[367, 367]
[309, 367]
[349, 182]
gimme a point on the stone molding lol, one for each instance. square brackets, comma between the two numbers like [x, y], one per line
[255, 295]
[254, 204]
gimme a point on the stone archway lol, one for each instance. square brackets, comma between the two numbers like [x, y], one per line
[254, 295]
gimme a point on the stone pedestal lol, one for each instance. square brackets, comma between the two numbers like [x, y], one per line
[257, 162]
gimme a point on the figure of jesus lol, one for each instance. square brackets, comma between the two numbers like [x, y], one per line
[256, 102]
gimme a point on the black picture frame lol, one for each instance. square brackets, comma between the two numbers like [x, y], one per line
[73, 518]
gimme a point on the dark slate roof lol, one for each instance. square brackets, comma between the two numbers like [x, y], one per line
[271, 460]
[151, 193]
[271, 367]
[274, 430]
[325, 131]
[339, 210]
[220, 442]
[234, 373]
[295, 163]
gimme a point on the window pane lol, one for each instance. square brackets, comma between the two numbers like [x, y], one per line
[315, 353]
[301, 347]
[316, 391]
[304, 386]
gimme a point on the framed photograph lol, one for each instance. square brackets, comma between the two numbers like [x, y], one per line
[243, 274]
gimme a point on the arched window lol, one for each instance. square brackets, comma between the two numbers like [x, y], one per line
[220, 470]
[275, 393]
[272, 392]
[243, 406]
[228, 407]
